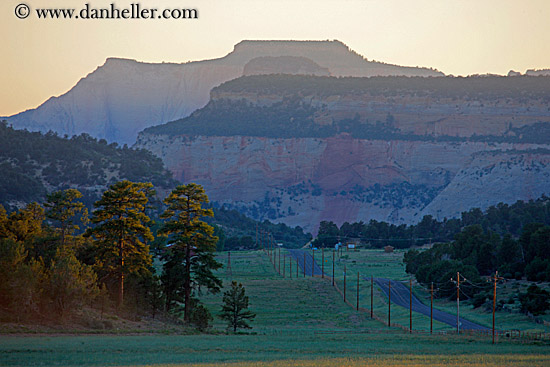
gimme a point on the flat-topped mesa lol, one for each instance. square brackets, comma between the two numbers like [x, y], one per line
[294, 65]
[124, 96]
[334, 55]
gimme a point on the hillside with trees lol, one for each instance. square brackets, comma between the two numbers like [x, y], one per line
[34, 164]
[501, 219]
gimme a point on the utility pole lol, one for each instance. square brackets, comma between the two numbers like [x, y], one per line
[389, 303]
[304, 264]
[284, 266]
[371, 296]
[457, 301]
[496, 278]
[410, 305]
[357, 291]
[432, 308]
[257, 236]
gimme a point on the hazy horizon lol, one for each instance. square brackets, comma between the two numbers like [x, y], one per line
[48, 57]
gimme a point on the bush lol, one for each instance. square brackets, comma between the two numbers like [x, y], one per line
[536, 301]
[201, 317]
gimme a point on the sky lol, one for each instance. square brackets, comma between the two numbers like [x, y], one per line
[41, 58]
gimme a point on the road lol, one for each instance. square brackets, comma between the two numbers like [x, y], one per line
[299, 255]
[400, 296]
[399, 292]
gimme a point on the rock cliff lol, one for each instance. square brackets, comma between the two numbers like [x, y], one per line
[122, 97]
[394, 152]
[302, 181]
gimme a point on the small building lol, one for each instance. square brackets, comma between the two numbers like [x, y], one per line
[388, 249]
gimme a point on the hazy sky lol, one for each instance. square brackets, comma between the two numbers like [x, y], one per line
[42, 58]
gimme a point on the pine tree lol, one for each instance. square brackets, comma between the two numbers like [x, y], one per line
[192, 244]
[234, 309]
[62, 208]
[121, 231]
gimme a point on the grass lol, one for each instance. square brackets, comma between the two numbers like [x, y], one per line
[309, 349]
[300, 322]
[390, 265]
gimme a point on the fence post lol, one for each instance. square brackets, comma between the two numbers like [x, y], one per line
[389, 303]
[410, 305]
[345, 282]
[357, 291]
[312, 262]
[333, 268]
[371, 296]
[322, 262]
[290, 267]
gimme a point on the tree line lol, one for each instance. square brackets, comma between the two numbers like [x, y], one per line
[501, 218]
[51, 266]
[475, 253]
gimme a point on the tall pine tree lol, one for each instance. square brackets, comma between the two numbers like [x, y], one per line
[121, 231]
[190, 255]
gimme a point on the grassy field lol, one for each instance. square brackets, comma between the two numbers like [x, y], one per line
[300, 322]
[389, 265]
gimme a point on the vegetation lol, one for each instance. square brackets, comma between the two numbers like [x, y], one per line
[309, 325]
[476, 252]
[39, 269]
[293, 117]
[235, 308]
[535, 300]
[501, 219]
[121, 232]
[445, 87]
[46, 268]
[239, 232]
[33, 164]
[189, 261]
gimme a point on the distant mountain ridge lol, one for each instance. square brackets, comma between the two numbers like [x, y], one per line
[123, 97]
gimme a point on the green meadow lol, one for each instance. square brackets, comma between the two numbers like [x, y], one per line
[300, 322]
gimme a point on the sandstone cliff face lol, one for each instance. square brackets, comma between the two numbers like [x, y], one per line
[393, 151]
[304, 181]
[122, 97]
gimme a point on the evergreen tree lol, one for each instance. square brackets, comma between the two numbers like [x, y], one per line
[121, 231]
[71, 283]
[235, 308]
[190, 256]
[62, 208]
